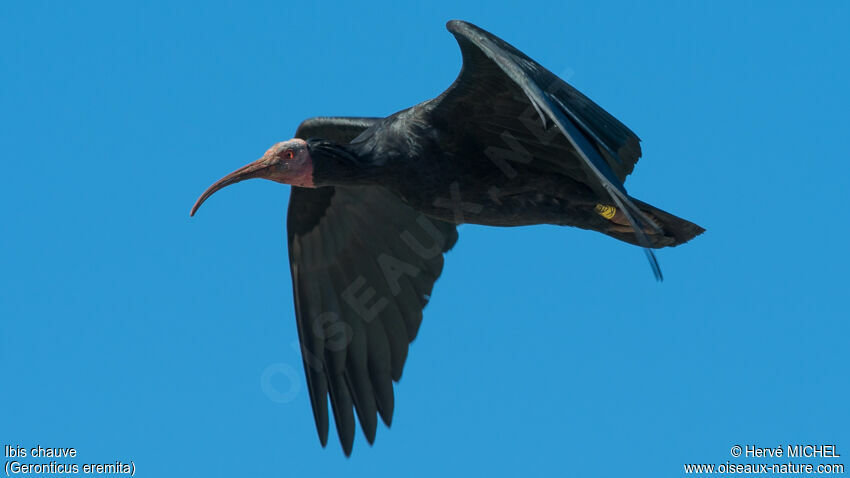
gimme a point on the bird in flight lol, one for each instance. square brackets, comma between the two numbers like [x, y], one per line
[375, 203]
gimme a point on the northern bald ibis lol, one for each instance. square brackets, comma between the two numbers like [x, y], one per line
[375, 203]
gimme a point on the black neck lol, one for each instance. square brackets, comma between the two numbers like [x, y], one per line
[335, 164]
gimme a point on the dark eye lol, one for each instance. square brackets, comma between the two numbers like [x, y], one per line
[289, 154]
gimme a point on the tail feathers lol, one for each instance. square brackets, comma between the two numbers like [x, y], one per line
[637, 226]
[669, 230]
[674, 228]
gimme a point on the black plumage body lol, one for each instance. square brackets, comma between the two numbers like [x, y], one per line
[470, 188]
[370, 219]
[454, 175]
[507, 144]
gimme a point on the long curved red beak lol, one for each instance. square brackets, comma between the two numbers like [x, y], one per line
[257, 169]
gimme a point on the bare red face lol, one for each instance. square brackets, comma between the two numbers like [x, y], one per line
[287, 162]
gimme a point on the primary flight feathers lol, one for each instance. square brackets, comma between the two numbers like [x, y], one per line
[375, 203]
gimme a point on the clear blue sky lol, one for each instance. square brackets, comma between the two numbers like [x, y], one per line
[131, 331]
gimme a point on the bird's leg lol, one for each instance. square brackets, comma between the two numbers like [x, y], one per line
[617, 216]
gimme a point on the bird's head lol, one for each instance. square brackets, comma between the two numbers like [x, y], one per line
[287, 162]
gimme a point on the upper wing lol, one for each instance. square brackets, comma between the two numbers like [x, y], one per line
[506, 103]
[363, 265]
[339, 129]
[495, 73]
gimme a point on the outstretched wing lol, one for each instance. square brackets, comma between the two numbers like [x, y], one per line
[504, 100]
[339, 129]
[363, 265]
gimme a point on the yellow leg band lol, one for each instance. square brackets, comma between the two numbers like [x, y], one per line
[606, 211]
